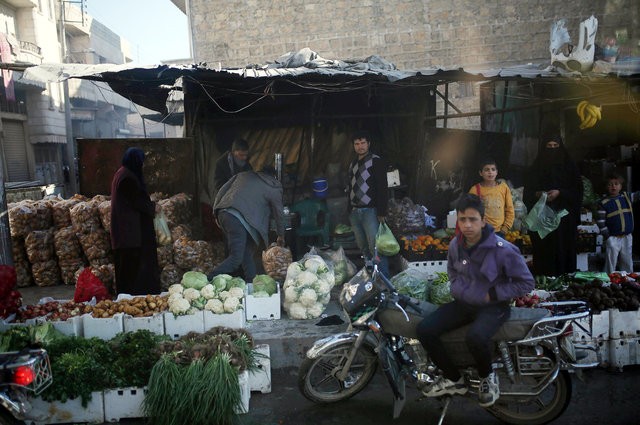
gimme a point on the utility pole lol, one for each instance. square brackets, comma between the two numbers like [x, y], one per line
[71, 143]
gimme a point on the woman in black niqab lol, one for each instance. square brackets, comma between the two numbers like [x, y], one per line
[553, 171]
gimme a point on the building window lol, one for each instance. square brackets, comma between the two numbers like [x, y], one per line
[47, 162]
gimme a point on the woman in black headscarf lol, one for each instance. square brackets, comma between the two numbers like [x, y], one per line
[553, 171]
[133, 236]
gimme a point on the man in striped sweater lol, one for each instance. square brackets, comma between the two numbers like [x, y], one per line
[368, 195]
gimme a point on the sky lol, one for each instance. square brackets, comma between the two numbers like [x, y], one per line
[155, 29]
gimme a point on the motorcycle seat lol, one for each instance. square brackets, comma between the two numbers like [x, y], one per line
[516, 327]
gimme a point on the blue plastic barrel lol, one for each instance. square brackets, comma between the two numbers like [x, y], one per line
[320, 187]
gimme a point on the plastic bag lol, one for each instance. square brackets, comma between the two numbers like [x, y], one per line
[385, 241]
[307, 287]
[276, 260]
[338, 260]
[542, 218]
[414, 283]
[89, 286]
[163, 234]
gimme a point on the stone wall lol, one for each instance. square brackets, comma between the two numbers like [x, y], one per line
[410, 33]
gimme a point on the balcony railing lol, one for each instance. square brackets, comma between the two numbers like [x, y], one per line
[30, 47]
[15, 107]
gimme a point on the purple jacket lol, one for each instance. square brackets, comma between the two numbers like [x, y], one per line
[493, 267]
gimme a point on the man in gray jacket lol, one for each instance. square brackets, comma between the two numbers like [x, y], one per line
[243, 207]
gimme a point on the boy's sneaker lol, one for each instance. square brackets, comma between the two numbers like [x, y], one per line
[444, 386]
[489, 390]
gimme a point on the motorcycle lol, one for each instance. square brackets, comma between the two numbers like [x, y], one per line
[534, 355]
[23, 374]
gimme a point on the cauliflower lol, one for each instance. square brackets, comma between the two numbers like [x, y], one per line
[208, 291]
[308, 297]
[236, 292]
[322, 287]
[329, 278]
[174, 297]
[215, 306]
[313, 263]
[191, 294]
[297, 311]
[324, 299]
[294, 270]
[290, 294]
[231, 304]
[315, 311]
[176, 288]
[306, 279]
[179, 306]
[192, 310]
[223, 295]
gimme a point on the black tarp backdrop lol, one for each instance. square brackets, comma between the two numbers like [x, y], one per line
[168, 164]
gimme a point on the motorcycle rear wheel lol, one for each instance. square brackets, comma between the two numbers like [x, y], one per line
[317, 378]
[539, 410]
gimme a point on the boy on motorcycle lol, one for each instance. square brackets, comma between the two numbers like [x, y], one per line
[485, 272]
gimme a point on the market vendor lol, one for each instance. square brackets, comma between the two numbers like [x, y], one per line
[243, 207]
[368, 195]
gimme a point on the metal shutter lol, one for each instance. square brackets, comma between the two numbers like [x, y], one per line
[15, 151]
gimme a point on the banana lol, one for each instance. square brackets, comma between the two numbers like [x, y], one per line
[597, 110]
[589, 122]
[580, 109]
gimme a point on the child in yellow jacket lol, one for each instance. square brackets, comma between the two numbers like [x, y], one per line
[496, 197]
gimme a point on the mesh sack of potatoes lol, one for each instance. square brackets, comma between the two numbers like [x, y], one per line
[165, 255]
[98, 199]
[171, 274]
[101, 261]
[189, 254]
[21, 216]
[85, 217]
[106, 273]
[23, 272]
[104, 209]
[96, 244]
[60, 212]
[181, 231]
[42, 220]
[39, 245]
[68, 269]
[66, 244]
[18, 249]
[46, 273]
[157, 196]
[177, 209]
[276, 260]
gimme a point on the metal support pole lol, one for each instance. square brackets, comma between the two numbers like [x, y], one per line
[6, 252]
[71, 144]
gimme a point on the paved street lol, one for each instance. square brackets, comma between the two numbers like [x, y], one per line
[605, 398]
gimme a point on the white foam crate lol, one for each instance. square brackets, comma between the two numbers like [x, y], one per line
[625, 324]
[105, 329]
[177, 326]
[594, 326]
[73, 326]
[245, 392]
[601, 356]
[262, 308]
[5, 325]
[123, 403]
[153, 324]
[428, 267]
[235, 320]
[624, 352]
[71, 411]
[260, 379]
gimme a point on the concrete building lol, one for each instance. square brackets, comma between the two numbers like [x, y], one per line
[412, 34]
[33, 132]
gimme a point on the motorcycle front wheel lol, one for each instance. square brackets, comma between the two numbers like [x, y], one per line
[7, 418]
[538, 410]
[317, 378]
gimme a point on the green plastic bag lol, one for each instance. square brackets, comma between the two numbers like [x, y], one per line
[385, 241]
[542, 218]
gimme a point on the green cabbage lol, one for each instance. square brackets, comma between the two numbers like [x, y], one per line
[266, 283]
[236, 282]
[195, 280]
[220, 282]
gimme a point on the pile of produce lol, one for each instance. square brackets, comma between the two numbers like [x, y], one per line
[430, 247]
[143, 306]
[343, 268]
[195, 381]
[307, 287]
[623, 296]
[441, 289]
[52, 311]
[223, 294]
[406, 217]
[414, 283]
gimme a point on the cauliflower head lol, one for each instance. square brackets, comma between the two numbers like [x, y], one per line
[231, 304]
[315, 311]
[176, 288]
[179, 306]
[208, 292]
[191, 294]
[297, 311]
[308, 297]
[306, 278]
[290, 294]
[236, 292]
[215, 306]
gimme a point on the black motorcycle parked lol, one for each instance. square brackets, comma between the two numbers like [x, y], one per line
[534, 354]
[22, 374]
